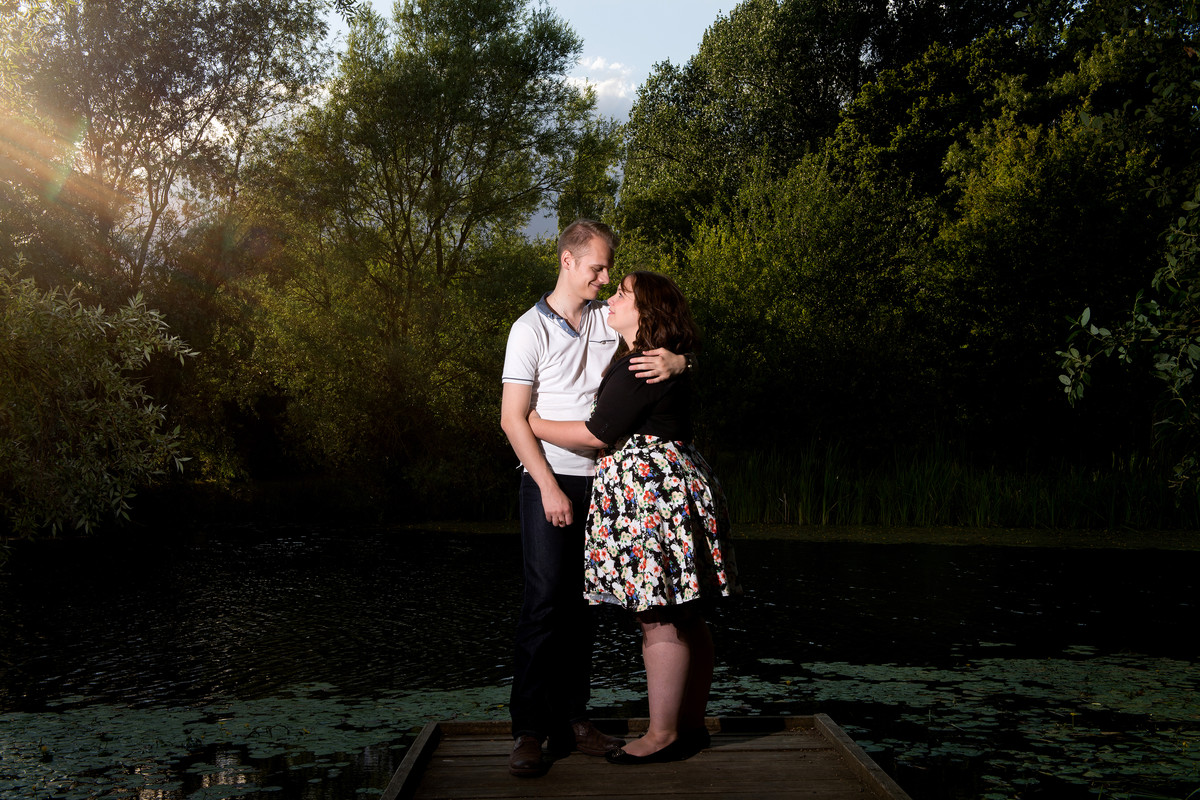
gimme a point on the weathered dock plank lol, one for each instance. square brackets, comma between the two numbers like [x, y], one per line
[763, 758]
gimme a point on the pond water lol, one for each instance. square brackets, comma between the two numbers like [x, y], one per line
[299, 662]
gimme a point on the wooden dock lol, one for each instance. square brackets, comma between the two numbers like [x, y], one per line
[751, 758]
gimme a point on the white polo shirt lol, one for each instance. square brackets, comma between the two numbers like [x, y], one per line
[564, 368]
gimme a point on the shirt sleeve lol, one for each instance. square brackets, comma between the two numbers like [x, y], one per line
[624, 403]
[522, 354]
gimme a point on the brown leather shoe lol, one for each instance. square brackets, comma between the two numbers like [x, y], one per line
[591, 741]
[525, 760]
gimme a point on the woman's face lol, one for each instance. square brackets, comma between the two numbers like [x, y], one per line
[622, 311]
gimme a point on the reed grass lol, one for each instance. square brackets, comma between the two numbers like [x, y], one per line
[821, 484]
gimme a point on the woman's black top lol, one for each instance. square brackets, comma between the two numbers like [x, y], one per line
[626, 404]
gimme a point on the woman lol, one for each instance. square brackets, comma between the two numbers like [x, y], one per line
[658, 530]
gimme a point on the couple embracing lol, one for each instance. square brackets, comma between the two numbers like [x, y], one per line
[644, 527]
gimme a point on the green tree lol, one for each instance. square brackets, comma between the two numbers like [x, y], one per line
[591, 188]
[1023, 208]
[120, 173]
[151, 104]
[1161, 330]
[79, 433]
[770, 75]
[811, 315]
[772, 78]
[393, 213]
[32, 157]
[900, 127]
[912, 277]
[20, 37]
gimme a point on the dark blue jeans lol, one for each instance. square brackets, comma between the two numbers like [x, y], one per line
[552, 672]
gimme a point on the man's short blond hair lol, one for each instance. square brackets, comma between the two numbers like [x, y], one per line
[577, 236]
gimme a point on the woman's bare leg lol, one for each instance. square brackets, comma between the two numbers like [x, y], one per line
[700, 673]
[667, 656]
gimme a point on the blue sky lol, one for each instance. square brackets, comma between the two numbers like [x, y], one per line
[624, 39]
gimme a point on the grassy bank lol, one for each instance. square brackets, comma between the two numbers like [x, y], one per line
[821, 485]
[990, 537]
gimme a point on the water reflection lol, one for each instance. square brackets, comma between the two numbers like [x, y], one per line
[238, 614]
[191, 619]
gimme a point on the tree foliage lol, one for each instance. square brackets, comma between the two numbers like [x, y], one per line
[770, 79]
[882, 212]
[391, 212]
[79, 433]
[809, 314]
[593, 181]
[150, 105]
[1161, 330]
[966, 204]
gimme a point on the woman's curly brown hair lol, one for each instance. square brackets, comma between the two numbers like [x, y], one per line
[664, 319]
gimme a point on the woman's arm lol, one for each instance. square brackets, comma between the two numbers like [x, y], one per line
[570, 433]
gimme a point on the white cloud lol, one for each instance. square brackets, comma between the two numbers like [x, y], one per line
[614, 96]
[602, 64]
[611, 81]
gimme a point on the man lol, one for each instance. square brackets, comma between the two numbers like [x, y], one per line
[557, 352]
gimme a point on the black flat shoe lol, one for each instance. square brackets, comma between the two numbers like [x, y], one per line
[675, 751]
[697, 740]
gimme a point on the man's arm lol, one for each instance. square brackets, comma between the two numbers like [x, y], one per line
[514, 413]
[658, 365]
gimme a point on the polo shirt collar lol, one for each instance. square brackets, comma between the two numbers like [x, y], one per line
[546, 311]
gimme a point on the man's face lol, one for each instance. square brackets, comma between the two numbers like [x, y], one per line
[589, 268]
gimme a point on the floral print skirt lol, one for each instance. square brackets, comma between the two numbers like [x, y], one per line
[658, 528]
